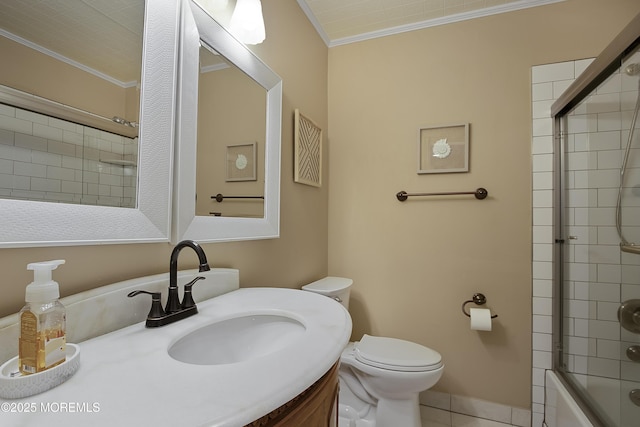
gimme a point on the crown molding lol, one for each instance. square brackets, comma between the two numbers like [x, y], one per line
[312, 18]
[66, 60]
[494, 10]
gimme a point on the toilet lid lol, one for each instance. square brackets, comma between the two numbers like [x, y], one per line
[396, 354]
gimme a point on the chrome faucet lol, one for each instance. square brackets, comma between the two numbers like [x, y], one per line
[174, 310]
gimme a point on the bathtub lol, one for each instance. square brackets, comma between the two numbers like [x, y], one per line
[561, 410]
[611, 396]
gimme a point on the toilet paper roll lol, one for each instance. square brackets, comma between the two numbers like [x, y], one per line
[480, 319]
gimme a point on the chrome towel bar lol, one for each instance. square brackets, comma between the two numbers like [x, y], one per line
[219, 197]
[480, 193]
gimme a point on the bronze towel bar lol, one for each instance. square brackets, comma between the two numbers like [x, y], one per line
[219, 197]
[480, 194]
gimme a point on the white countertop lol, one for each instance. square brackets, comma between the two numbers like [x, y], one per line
[127, 378]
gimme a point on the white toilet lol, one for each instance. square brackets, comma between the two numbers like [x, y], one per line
[380, 378]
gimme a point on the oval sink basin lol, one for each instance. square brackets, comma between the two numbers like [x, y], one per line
[236, 340]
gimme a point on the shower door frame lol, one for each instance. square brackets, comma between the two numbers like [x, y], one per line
[598, 71]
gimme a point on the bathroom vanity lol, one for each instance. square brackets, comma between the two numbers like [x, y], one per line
[316, 406]
[271, 361]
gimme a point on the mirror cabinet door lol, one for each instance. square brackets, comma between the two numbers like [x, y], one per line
[229, 131]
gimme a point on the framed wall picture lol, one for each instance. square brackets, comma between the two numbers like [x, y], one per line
[241, 162]
[443, 149]
[307, 151]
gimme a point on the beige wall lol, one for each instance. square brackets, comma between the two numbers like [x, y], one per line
[36, 73]
[414, 263]
[231, 111]
[299, 56]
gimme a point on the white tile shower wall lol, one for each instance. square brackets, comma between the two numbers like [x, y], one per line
[548, 82]
[48, 159]
[601, 276]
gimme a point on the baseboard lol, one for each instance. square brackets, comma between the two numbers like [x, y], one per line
[450, 410]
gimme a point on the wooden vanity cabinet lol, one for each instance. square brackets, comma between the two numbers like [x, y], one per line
[317, 406]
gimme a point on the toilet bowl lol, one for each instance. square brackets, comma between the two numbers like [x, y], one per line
[380, 377]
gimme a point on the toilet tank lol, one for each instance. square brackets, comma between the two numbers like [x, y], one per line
[338, 288]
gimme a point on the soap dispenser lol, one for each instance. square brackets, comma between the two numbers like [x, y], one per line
[42, 342]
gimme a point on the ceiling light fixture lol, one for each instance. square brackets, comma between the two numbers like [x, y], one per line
[247, 23]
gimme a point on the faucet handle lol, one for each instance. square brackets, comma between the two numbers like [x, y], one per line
[156, 311]
[187, 299]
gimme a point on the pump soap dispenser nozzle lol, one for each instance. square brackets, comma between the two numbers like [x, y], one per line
[43, 288]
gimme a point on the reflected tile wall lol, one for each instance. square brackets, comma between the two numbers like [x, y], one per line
[48, 159]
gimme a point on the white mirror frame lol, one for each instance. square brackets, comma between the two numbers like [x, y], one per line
[29, 223]
[196, 25]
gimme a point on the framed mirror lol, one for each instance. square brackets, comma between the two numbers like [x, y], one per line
[44, 223]
[238, 156]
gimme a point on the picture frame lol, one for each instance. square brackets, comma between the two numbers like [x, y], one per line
[307, 151]
[443, 149]
[241, 162]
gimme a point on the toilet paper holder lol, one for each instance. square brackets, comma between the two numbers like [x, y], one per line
[478, 299]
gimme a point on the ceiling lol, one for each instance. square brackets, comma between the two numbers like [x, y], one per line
[105, 37]
[347, 21]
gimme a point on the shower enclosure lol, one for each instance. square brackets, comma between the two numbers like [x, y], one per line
[597, 235]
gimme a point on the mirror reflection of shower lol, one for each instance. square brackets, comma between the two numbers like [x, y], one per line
[125, 122]
[626, 246]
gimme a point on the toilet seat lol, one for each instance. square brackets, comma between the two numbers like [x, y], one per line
[396, 354]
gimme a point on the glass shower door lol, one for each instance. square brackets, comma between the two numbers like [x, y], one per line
[600, 202]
